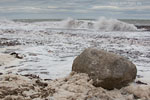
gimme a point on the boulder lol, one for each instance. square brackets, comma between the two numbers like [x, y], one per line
[106, 69]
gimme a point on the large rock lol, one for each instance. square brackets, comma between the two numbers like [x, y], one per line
[107, 70]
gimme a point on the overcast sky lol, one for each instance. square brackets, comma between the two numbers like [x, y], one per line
[27, 9]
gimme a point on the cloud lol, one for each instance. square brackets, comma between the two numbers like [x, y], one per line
[20, 9]
[8, 1]
[75, 8]
[137, 8]
[105, 7]
[52, 7]
[123, 8]
[81, 11]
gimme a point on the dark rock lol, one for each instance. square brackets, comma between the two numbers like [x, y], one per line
[10, 67]
[47, 79]
[16, 55]
[31, 76]
[41, 83]
[146, 27]
[139, 82]
[7, 42]
[136, 97]
[107, 70]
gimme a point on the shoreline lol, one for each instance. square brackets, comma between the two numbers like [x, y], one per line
[73, 87]
[48, 54]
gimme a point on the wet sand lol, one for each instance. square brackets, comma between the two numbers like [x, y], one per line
[73, 87]
[47, 54]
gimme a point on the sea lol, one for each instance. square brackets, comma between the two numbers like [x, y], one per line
[49, 46]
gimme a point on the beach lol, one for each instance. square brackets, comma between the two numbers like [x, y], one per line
[46, 50]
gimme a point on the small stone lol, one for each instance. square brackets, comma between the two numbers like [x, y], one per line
[16, 55]
[139, 82]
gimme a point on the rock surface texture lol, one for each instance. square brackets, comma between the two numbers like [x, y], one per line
[107, 70]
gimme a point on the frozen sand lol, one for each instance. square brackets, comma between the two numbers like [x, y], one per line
[73, 87]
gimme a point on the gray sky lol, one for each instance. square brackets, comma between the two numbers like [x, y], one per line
[13, 9]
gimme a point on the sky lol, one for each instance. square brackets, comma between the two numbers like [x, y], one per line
[79, 9]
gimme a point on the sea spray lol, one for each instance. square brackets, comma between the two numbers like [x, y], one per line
[72, 23]
[6, 21]
[77, 24]
[101, 24]
[104, 24]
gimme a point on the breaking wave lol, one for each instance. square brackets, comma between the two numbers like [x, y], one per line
[6, 21]
[72, 23]
[102, 24]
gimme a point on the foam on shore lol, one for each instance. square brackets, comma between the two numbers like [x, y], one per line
[102, 24]
[6, 59]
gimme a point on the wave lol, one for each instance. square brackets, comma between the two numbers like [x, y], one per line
[6, 21]
[102, 24]
[73, 23]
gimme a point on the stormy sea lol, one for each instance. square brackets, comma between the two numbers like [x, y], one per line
[47, 47]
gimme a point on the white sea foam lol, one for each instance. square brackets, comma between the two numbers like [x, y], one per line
[77, 24]
[6, 21]
[104, 24]
[54, 50]
[101, 24]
